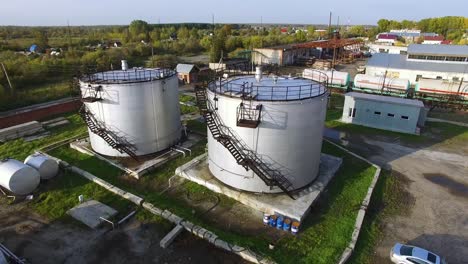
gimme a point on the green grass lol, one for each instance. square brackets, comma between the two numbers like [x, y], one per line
[36, 94]
[61, 193]
[389, 199]
[187, 109]
[20, 149]
[324, 234]
[186, 98]
[196, 126]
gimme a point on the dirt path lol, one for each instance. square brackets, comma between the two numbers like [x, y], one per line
[31, 236]
[438, 182]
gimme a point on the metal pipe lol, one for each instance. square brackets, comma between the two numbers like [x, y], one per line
[108, 221]
[178, 150]
[186, 149]
[126, 218]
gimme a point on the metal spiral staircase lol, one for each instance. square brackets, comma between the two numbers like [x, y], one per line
[115, 141]
[244, 156]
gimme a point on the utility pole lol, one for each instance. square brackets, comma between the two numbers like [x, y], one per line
[329, 26]
[6, 75]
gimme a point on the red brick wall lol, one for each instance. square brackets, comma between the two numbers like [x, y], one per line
[38, 114]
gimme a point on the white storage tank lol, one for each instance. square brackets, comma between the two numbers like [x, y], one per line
[18, 177]
[137, 107]
[335, 78]
[47, 167]
[368, 82]
[287, 138]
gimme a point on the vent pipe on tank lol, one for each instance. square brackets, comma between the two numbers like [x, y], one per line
[124, 65]
[258, 73]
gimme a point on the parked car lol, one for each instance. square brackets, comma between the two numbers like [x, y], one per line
[405, 254]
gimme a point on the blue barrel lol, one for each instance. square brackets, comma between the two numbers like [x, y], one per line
[273, 220]
[279, 222]
[266, 219]
[286, 224]
[295, 228]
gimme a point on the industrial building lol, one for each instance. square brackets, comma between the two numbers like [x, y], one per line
[381, 48]
[384, 112]
[447, 62]
[334, 51]
[131, 112]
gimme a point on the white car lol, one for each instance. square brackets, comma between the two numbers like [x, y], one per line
[405, 254]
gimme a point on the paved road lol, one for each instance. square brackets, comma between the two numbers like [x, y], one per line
[438, 182]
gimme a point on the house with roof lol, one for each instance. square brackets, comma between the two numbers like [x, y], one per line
[436, 40]
[386, 38]
[446, 62]
[187, 73]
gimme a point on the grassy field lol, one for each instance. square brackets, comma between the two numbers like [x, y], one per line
[36, 94]
[324, 234]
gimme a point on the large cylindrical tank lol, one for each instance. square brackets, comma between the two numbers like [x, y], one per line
[18, 177]
[335, 78]
[140, 106]
[288, 137]
[47, 167]
[362, 81]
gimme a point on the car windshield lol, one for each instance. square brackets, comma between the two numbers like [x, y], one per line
[406, 250]
[431, 257]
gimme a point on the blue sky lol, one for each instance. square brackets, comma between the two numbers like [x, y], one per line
[105, 12]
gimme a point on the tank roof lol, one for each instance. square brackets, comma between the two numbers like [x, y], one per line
[269, 88]
[134, 75]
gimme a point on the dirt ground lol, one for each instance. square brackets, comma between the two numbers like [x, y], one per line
[437, 182]
[32, 237]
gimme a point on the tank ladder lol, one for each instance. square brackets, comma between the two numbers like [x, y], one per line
[243, 156]
[92, 94]
[118, 143]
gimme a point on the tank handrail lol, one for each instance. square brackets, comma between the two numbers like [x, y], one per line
[268, 92]
[130, 76]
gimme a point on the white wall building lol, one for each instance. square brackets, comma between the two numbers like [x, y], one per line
[378, 48]
[448, 62]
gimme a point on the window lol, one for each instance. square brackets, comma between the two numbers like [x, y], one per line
[350, 111]
[390, 115]
[406, 250]
[403, 52]
[377, 113]
[455, 79]
[439, 77]
[405, 117]
[354, 112]
[419, 76]
[417, 261]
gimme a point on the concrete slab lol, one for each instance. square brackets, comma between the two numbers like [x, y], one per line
[140, 168]
[197, 171]
[89, 213]
[167, 240]
[18, 131]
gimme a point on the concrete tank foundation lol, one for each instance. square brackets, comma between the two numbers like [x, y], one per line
[280, 203]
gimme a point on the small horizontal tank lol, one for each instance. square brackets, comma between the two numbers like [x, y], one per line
[47, 167]
[18, 177]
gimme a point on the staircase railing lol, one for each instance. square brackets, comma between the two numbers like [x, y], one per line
[116, 142]
[243, 155]
[92, 94]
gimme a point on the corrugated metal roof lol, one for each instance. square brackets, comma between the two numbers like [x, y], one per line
[386, 99]
[425, 49]
[184, 68]
[397, 61]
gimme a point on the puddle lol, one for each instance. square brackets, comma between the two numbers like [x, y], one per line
[455, 187]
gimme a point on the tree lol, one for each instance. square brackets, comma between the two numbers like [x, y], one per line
[41, 39]
[357, 31]
[383, 25]
[218, 47]
[138, 27]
